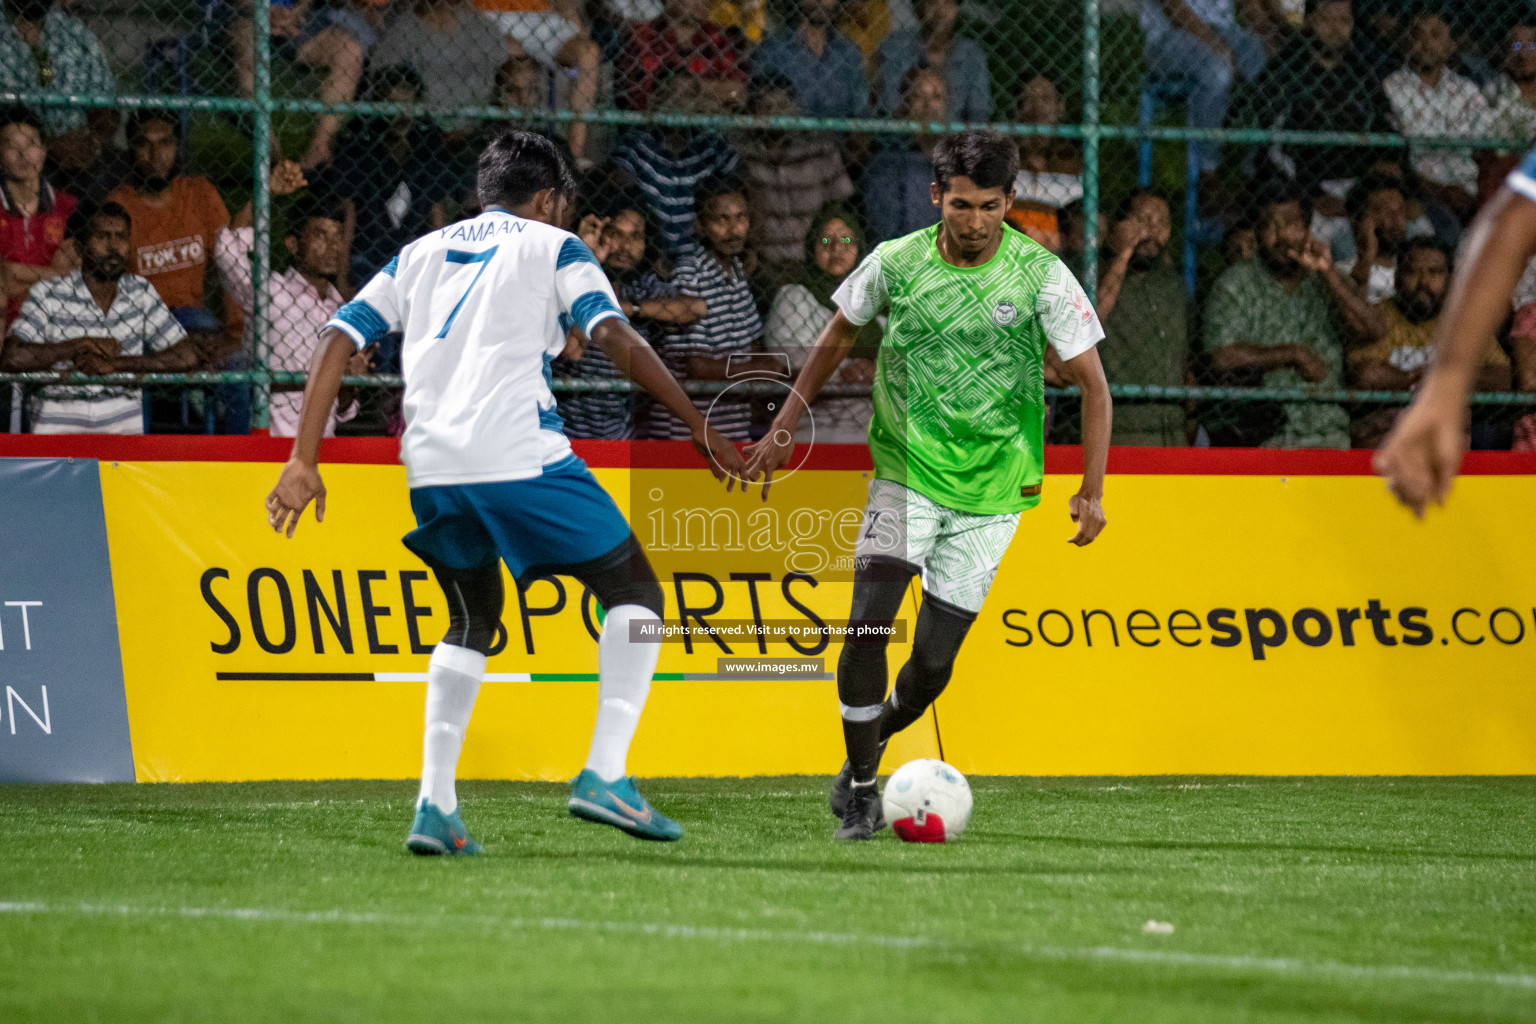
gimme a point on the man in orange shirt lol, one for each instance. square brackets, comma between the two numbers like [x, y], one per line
[176, 217]
[176, 222]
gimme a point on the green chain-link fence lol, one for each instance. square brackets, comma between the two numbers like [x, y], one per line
[1262, 194]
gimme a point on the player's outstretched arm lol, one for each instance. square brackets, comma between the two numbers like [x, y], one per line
[1421, 456]
[300, 481]
[774, 450]
[640, 363]
[1087, 505]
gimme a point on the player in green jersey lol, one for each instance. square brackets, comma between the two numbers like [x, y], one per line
[959, 408]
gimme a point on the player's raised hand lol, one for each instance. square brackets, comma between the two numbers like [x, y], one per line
[298, 485]
[1420, 457]
[723, 458]
[766, 456]
[1088, 513]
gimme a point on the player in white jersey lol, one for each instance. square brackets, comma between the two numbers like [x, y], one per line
[1423, 453]
[484, 305]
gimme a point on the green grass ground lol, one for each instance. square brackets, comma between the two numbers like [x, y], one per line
[1292, 900]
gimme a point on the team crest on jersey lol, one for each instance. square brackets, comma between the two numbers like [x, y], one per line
[1004, 314]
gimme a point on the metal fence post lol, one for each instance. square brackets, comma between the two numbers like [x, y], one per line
[1091, 146]
[261, 208]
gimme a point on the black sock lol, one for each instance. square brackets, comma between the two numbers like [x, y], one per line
[904, 706]
[862, 674]
[863, 742]
[941, 629]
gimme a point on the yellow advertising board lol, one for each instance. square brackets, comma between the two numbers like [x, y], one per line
[1260, 624]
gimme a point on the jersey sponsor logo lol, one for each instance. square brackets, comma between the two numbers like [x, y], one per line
[165, 257]
[1004, 314]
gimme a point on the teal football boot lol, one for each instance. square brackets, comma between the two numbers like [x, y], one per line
[435, 834]
[620, 804]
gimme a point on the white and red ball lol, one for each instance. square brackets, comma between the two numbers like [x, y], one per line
[927, 801]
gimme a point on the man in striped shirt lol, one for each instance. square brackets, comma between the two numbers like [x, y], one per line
[666, 164]
[620, 243]
[98, 320]
[719, 345]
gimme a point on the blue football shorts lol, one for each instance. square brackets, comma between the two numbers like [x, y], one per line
[561, 518]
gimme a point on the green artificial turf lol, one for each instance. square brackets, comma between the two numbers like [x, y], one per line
[1291, 900]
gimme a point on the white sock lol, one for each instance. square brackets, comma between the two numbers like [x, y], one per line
[624, 670]
[453, 682]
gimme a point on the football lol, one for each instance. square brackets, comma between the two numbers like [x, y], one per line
[927, 801]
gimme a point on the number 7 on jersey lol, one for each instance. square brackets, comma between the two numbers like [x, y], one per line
[461, 257]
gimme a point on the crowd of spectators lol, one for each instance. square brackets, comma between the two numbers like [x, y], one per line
[725, 246]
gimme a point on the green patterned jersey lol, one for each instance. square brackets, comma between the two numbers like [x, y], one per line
[959, 389]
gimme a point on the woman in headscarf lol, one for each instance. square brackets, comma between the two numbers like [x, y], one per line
[801, 311]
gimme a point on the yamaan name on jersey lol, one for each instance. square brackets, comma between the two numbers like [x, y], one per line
[479, 231]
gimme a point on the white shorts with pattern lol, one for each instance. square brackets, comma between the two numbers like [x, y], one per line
[957, 552]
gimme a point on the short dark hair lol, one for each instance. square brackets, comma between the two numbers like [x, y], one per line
[1311, 6]
[1431, 243]
[1427, 9]
[377, 82]
[1282, 193]
[1359, 196]
[715, 186]
[139, 119]
[987, 158]
[1128, 204]
[310, 207]
[15, 113]
[89, 212]
[517, 166]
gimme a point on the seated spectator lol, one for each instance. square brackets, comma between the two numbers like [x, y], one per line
[869, 22]
[98, 320]
[898, 185]
[1200, 40]
[801, 311]
[1427, 216]
[336, 37]
[1145, 309]
[1378, 35]
[90, 164]
[1379, 221]
[620, 241]
[1394, 350]
[788, 175]
[390, 173]
[42, 47]
[552, 33]
[665, 164]
[300, 300]
[934, 44]
[1268, 322]
[824, 68]
[1511, 104]
[718, 346]
[33, 217]
[1050, 168]
[176, 217]
[1319, 83]
[1428, 98]
[454, 48]
[684, 41]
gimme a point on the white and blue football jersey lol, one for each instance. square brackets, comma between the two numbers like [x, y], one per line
[483, 305]
[1523, 178]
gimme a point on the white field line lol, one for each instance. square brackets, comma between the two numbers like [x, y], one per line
[1285, 966]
